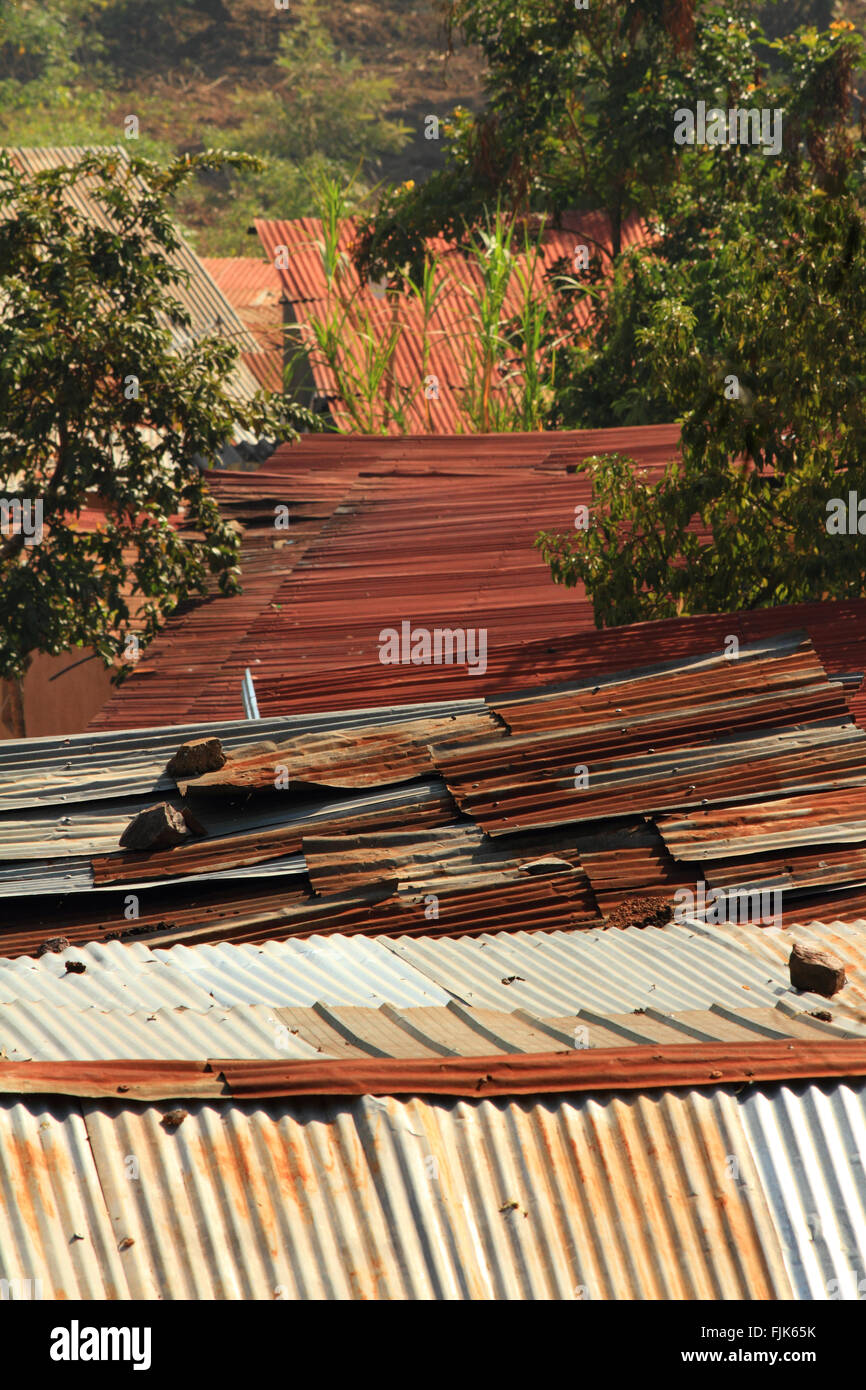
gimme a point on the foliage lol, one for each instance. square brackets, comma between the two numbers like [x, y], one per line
[774, 431]
[99, 410]
[510, 354]
[70, 70]
[504, 317]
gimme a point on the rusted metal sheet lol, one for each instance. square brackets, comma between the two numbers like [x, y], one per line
[824, 817]
[638, 1068]
[309, 621]
[425, 804]
[368, 757]
[134, 1080]
[427, 1200]
[451, 326]
[56, 1238]
[722, 1196]
[252, 287]
[312, 610]
[802, 740]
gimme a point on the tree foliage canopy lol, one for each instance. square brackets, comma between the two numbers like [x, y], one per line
[107, 402]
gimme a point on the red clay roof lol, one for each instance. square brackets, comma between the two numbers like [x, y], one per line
[305, 286]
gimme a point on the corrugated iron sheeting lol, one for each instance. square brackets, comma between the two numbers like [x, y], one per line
[671, 968]
[570, 1070]
[252, 286]
[379, 757]
[827, 817]
[99, 766]
[346, 971]
[309, 622]
[425, 804]
[29, 1031]
[54, 1226]
[808, 1144]
[256, 1031]
[312, 642]
[661, 738]
[451, 327]
[378, 1198]
[772, 946]
[210, 312]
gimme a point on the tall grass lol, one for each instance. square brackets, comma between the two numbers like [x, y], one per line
[508, 332]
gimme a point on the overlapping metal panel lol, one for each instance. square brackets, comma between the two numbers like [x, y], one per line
[671, 968]
[102, 765]
[808, 1144]
[30, 1031]
[378, 1198]
[115, 976]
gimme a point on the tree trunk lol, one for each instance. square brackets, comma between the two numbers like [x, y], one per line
[12, 707]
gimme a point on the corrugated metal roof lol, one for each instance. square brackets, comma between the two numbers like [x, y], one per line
[808, 1145]
[252, 286]
[832, 817]
[101, 765]
[65, 1032]
[277, 973]
[671, 968]
[452, 325]
[210, 312]
[438, 531]
[309, 620]
[620, 1198]
[54, 1227]
[772, 945]
[514, 839]
[250, 1031]
[347, 971]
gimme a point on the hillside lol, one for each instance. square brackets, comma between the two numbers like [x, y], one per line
[351, 94]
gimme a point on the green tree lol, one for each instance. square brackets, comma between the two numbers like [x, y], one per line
[773, 436]
[107, 403]
[578, 115]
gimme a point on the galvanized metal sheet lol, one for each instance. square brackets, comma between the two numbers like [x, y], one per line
[335, 970]
[808, 1144]
[64, 1032]
[671, 968]
[625, 1198]
[771, 946]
